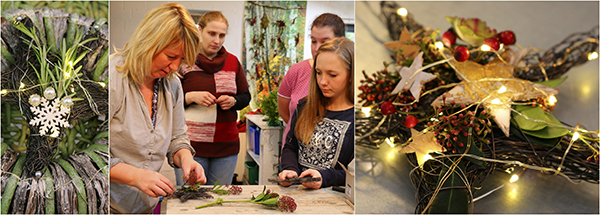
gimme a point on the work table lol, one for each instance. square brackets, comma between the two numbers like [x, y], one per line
[308, 201]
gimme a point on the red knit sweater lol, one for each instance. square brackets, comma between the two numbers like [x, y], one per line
[213, 131]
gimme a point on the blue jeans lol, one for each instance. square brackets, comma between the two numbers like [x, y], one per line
[221, 168]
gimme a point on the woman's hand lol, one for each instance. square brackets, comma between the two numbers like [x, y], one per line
[314, 174]
[152, 183]
[204, 98]
[286, 174]
[193, 172]
[226, 102]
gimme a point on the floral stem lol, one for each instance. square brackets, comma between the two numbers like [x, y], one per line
[240, 201]
[220, 201]
[206, 205]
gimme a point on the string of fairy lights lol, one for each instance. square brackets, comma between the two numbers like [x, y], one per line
[373, 121]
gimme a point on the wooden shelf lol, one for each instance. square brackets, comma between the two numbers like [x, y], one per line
[255, 157]
[269, 143]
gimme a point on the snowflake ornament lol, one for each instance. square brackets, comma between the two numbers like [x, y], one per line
[50, 116]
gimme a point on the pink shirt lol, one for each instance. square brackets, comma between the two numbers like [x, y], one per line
[295, 87]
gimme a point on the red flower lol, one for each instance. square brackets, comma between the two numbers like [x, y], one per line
[286, 204]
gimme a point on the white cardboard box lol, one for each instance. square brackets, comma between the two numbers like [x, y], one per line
[350, 182]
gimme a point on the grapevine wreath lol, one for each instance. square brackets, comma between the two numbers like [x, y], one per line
[470, 100]
[54, 102]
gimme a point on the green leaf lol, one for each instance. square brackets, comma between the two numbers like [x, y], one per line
[552, 83]
[535, 140]
[469, 36]
[451, 200]
[270, 202]
[535, 113]
[216, 183]
[259, 197]
[100, 135]
[550, 131]
[474, 150]
[220, 192]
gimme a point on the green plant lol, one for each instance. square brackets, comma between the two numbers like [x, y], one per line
[269, 106]
[268, 198]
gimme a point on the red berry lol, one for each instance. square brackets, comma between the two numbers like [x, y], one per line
[492, 43]
[387, 108]
[449, 38]
[411, 121]
[507, 37]
[461, 54]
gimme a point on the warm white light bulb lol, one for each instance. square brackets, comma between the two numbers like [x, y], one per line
[552, 100]
[402, 11]
[485, 48]
[102, 84]
[514, 178]
[496, 101]
[502, 89]
[366, 111]
[21, 85]
[439, 45]
[390, 141]
[70, 63]
[3, 92]
[593, 56]
[427, 157]
[575, 136]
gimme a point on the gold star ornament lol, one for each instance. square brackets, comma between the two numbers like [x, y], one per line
[494, 86]
[408, 51]
[422, 144]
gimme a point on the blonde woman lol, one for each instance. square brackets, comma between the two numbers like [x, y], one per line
[147, 121]
[214, 88]
[323, 123]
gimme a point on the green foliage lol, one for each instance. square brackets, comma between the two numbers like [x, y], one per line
[265, 198]
[274, 42]
[453, 196]
[535, 113]
[243, 113]
[543, 126]
[269, 106]
[92, 9]
[217, 188]
[473, 149]
[552, 83]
